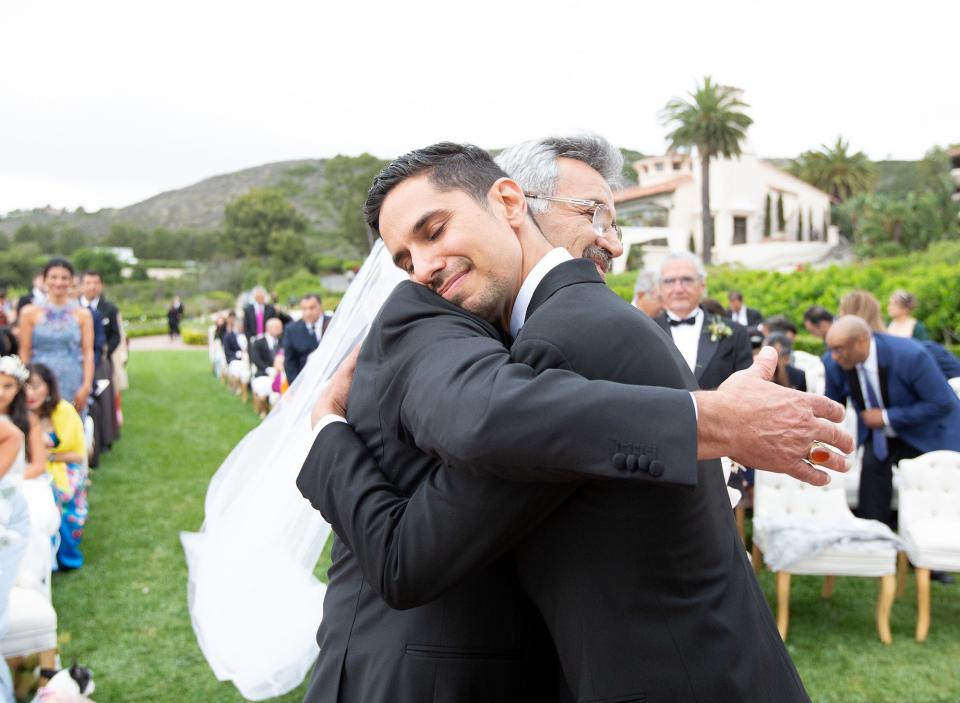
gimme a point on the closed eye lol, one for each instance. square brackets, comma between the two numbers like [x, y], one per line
[437, 232]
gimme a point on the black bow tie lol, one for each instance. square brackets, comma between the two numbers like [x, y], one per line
[688, 321]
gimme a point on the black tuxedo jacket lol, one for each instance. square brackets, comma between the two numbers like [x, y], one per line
[298, 344]
[481, 640]
[111, 325]
[754, 318]
[644, 585]
[717, 360]
[261, 355]
[250, 318]
[231, 346]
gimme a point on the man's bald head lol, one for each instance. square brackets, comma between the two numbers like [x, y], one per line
[849, 340]
[275, 327]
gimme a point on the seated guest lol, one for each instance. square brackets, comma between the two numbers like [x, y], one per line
[781, 324]
[646, 299]
[739, 312]
[263, 352]
[66, 459]
[786, 375]
[713, 348]
[864, 305]
[905, 405]
[817, 320]
[302, 337]
[902, 321]
[236, 351]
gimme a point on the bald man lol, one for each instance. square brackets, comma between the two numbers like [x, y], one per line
[906, 408]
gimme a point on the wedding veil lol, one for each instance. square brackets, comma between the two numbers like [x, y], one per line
[254, 601]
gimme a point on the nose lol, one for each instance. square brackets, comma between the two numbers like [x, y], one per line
[610, 243]
[425, 266]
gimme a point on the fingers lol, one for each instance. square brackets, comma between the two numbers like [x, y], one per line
[765, 363]
[835, 462]
[831, 434]
[826, 408]
[802, 471]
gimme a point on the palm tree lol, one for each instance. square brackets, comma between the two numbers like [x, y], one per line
[711, 120]
[835, 170]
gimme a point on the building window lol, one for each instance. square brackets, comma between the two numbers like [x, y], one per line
[658, 166]
[739, 230]
[677, 165]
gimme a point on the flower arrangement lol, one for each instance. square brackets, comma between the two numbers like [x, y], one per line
[719, 329]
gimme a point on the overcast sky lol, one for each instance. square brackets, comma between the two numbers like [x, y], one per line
[103, 104]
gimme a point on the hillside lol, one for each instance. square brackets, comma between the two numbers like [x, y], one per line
[199, 206]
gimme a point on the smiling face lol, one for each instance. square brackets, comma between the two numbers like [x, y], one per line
[91, 286]
[571, 226]
[9, 387]
[58, 281]
[463, 250]
[681, 288]
[37, 392]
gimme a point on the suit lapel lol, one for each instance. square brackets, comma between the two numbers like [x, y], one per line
[706, 348]
[661, 320]
[561, 276]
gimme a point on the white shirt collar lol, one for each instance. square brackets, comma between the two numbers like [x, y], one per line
[95, 303]
[550, 261]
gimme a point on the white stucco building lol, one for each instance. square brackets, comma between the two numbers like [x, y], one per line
[663, 211]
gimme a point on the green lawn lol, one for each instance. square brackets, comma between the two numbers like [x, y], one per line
[125, 614]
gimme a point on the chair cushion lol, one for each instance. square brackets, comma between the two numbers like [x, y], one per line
[933, 543]
[860, 559]
[31, 624]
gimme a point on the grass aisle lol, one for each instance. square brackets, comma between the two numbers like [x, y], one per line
[125, 613]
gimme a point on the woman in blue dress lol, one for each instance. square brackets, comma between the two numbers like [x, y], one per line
[58, 333]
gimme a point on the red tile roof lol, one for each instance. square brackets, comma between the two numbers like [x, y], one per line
[638, 192]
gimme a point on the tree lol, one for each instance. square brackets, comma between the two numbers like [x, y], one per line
[103, 262]
[252, 218]
[836, 170]
[287, 249]
[346, 182]
[713, 121]
[767, 214]
[781, 220]
[630, 157]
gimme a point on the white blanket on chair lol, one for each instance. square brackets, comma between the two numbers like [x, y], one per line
[786, 541]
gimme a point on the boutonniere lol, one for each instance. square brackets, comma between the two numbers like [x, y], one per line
[719, 329]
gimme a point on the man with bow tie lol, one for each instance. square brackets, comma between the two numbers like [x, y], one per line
[713, 347]
[302, 337]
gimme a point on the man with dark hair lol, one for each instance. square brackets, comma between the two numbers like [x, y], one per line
[91, 289]
[300, 338]
[748, 317]
[433, 378]
[817, 320]
[780, 324]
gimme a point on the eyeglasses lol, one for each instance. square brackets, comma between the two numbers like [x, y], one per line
[684, 281]
[602, 215]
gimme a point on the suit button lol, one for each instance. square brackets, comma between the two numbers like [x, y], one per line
[643, 462]
[631, 462]
[619, 460]
[656, 468]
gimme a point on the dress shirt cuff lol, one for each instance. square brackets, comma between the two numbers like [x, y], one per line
[886, 419]
[696, 410]
[326, 420]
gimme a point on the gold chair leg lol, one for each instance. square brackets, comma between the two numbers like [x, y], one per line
[828, 583]
[757, 558]
[888, 589]
[903, 568]
[783, 603]
[923, 604]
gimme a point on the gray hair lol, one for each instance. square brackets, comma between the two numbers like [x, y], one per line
[533, 164]
[683, 256]
[646, 283]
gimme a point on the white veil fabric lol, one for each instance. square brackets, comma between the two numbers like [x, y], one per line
[254, 601]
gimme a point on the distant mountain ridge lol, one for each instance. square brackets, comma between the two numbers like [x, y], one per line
[198, 206]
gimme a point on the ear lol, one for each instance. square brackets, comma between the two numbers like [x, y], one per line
[508, 194]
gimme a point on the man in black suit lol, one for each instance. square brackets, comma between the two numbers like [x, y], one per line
[300, 338]
[453, 395]
[91, 286]
[713, 347]
[263, 349]
[36, 295]
[103, 407]
[740, 313]
[256, 314]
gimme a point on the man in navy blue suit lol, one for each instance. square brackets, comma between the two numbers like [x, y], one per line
[906, 406]
[300, 338]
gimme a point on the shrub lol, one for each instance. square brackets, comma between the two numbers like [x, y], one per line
[194, 337]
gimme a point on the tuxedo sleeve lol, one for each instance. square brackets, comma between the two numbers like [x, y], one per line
[466, 402]
[411, 550]
[112, 328]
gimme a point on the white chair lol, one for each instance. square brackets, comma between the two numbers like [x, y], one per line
[812, 368]
[930, 521]
[784, 501]
[32, 621]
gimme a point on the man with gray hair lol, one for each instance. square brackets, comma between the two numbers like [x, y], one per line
[569, 184]
[713, 347]
[256, 314]
[646, 297]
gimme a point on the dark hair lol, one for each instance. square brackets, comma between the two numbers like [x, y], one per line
[451, 167]
[8, 342]
[781, 339]
[312, 296]
[20, 415]
[90, 272]
[779, 323]
[53, 390]
[58, 262]
[714, 307]
[735, 295]
[816, 314]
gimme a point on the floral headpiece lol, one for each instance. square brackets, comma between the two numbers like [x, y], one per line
[12, 366]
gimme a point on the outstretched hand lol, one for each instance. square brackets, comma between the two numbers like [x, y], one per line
[333, 398]
[762, 425]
